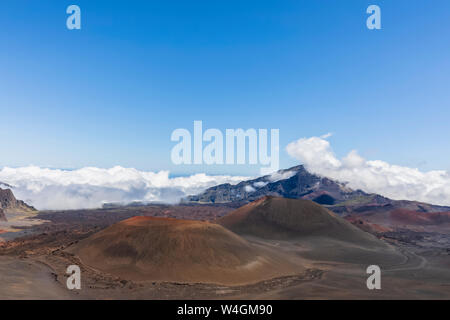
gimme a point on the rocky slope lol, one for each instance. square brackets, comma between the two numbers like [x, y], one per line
[10, 205]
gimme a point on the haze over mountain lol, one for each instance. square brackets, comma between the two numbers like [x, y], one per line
[298, 183]
[372, 175]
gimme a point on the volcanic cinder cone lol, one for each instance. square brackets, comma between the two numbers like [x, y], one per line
[162, 249]
[282, 219]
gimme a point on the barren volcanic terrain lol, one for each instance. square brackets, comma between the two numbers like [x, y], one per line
[272, 248]
[165, 249]
[406, 219]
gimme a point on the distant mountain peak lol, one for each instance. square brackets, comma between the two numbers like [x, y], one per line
[298, 183]
[295, 182]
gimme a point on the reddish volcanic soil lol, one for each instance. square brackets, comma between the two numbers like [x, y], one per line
[408, 217]
[380, 222]
[366, 226]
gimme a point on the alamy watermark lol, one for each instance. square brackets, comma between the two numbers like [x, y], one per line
[374, 281]
[74, 279]
[231, 150]
[374, 20]
[74, 20]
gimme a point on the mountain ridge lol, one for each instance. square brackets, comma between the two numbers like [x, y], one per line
[298, 183]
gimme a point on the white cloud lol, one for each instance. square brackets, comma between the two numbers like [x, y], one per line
[91, 187]
[277, 176]
[249, 189]
[327, 135]
[260, 184]
[393, 181]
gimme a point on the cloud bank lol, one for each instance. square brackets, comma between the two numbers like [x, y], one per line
[376, 176]
[53, 189]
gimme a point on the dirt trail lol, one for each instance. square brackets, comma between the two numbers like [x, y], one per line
[412, 262]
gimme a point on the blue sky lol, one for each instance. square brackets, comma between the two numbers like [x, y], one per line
[112, 93]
